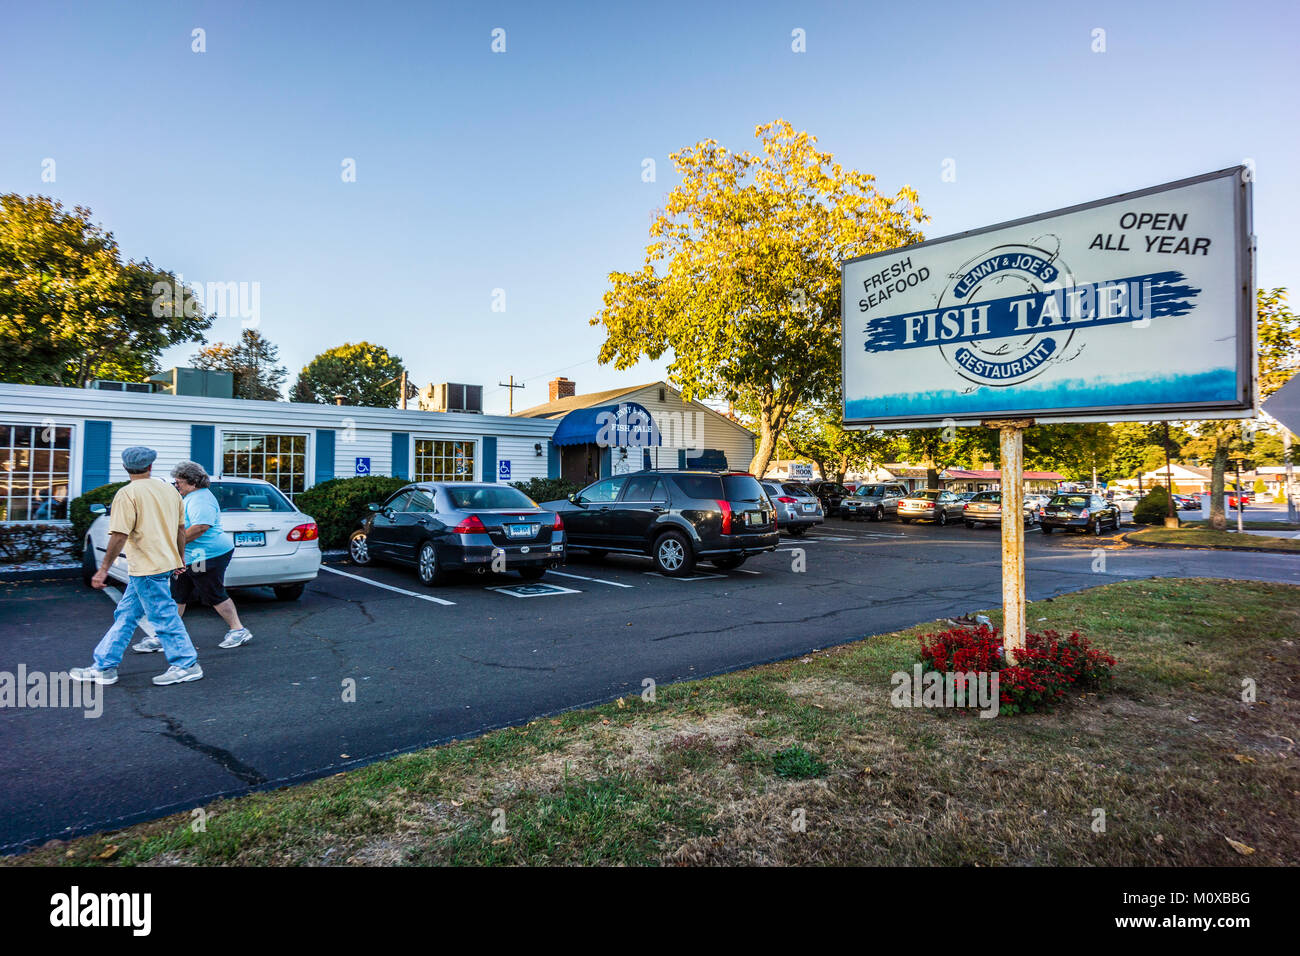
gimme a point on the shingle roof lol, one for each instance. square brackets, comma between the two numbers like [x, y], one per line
[562, 406]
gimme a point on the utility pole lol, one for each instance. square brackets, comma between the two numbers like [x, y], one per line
[512, 386]
[1241, 498]
[403, 405]
[1171, 519]
[1012, 453]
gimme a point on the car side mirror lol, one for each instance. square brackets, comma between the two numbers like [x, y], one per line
[575, 500]
[98, 510]
[375, 507]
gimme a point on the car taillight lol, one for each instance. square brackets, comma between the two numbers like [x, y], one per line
[1083, 513]
[787, 501]
[557, 525]
[929, 504]
[726, 516]
[471, 525]
[303, 532]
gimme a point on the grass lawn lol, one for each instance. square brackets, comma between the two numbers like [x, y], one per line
[1248, 524]
[1201, 537]
[716, 771]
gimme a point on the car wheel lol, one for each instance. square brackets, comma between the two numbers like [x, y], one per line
[359, 549]
[532, 574]
[942, 519]
[879, 515]
[1047, 529]
[1096, 528]
[726, 564]
[88, 565]
[673, 555]
[796, 531]
[427, 566]
[970, 524]
[289, 592]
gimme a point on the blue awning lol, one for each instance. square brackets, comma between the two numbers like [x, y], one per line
[625, 424]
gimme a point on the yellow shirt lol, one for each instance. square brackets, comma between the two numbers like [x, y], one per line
[150, 513]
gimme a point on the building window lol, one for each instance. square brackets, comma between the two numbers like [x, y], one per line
[279, 459]
[439, 460]
[35, 465]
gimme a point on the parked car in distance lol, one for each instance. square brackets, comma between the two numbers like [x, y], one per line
[441, 527]
[276, 545]
[1232, 502]
[933, 504]
[797, 508]
[1039, 502]
[874, 502]
[675, 517]
[1187, 502]
[986, 508]
[1078, 511]
[830, 493]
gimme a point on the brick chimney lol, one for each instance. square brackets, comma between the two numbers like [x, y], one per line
[562, 388]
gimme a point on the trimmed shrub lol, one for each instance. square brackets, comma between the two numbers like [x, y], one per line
[1154, 508]
[1049, 668]
[79, 511]
[44, 543]
[546, 489]
[338, 504]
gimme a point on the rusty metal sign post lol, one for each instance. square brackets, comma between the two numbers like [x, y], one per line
[1011, 444]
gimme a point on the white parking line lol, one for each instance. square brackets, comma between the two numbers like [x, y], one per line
[116, 596]
[693, 577]
[388, 587]
[613, 584]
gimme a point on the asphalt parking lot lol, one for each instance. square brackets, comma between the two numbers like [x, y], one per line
[430, 665]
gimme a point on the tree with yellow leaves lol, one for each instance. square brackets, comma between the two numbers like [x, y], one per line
[741, 280]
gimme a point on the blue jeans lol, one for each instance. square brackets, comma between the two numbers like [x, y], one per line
[147, 595]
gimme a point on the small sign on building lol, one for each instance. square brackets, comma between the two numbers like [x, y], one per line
[503, 471]
[363, 466]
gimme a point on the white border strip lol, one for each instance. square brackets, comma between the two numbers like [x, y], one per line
[389, 587]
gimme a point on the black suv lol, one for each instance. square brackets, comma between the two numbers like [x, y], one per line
[675, 517]
[830, 493]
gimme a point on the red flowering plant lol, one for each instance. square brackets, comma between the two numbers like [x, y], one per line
[1047, 669]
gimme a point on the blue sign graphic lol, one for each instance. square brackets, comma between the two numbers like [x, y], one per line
[503, 471]
[363, 466]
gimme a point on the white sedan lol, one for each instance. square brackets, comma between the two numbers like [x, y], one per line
[276, 545]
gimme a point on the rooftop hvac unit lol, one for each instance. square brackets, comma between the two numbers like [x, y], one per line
[105, 385]
[451, 397]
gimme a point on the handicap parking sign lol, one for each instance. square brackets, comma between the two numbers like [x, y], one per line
[363, 466]
[503, 471]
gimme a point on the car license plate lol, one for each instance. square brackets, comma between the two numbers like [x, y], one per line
[250, 539]
[522, 530]
[809, 508]
[753, 517]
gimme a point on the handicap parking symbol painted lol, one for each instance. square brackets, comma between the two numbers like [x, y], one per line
[534, 590]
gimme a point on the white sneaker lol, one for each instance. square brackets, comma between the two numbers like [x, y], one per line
[179, 675]
[234, 638]
[94, 675]
[147, 645]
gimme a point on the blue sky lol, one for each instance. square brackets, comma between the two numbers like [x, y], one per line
[521, 171]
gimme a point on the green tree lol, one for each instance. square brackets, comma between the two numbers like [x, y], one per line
[741, 280]
[816, 434]
[253, 361]
[1278, 335]
[364, 374]
[72, 309]
[947, 447]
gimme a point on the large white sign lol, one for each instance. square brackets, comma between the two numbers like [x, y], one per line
[1140, 306]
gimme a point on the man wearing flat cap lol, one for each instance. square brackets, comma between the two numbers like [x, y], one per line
[147, 523]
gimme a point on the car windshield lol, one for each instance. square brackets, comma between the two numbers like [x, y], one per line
[798, 490]
[238, 496]
[993, 496]
[489, 499]
[1070, 501]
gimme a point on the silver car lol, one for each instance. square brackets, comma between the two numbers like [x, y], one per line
[933, 504]
[873, 502]
[797, 508]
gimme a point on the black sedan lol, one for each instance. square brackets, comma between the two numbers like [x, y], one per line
[460, 526]
[1079, 512]
[830, 493]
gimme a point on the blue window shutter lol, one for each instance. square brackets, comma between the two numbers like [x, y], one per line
[681, 458]
[401, 454]
[606, 462]
[552, 460]
[203, 443]
[489, 458]
[94, 455]
[324, 454]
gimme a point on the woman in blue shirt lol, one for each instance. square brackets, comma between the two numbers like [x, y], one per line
[208, 550]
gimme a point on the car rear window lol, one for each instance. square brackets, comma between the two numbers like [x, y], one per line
[994, 496]
[489, 499]
[799, 491]
[742, 488]
[237, 496]
[700, 486]
[1071, 501]
[926, 494]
